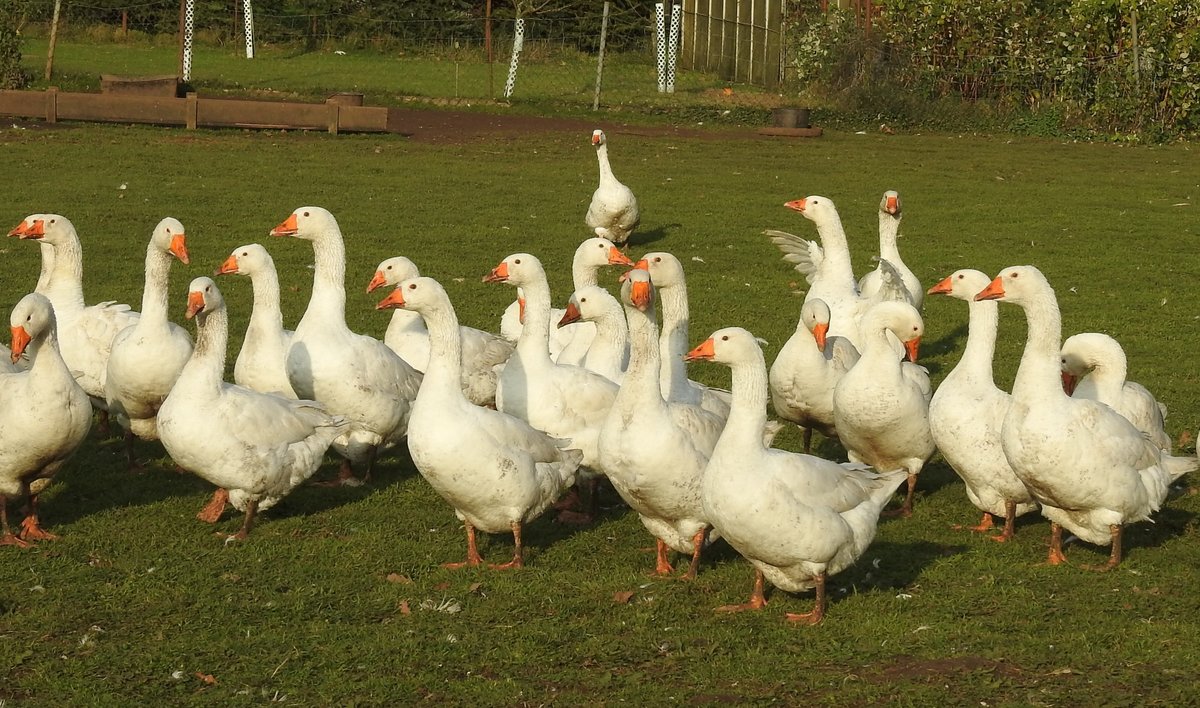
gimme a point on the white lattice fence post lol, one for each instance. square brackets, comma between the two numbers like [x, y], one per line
[518, 44]
[248, 17]
[660, 40]
[189, 30]
[673, 46]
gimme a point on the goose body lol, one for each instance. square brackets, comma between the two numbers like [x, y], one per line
[881, 405]
[797, 518]
[44, 414]
[258, 446]
[261, 363]
[613, 212]
[147, 356]
[870, 285]
[967, 411]
[1090, 468]
[495, 470]
[653, 450]
[351, 374]
[608, 354]
[482, 353]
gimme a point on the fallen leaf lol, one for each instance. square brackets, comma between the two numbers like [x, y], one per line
[398, 579]
[474, 588]
[1063, 671]
[207, 678]
[622, 597]
[404, 608]
[441, 586]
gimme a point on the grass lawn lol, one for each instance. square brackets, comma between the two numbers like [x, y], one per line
[338, 596]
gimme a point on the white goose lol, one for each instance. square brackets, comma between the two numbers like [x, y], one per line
[613, 212]
[1094, 366]
[967, 413]
[797, 518]
[827, 268]
[566, 402]
[881, 405]
[497, 471]
[889, 230]
[666, 272]
[350, 374]
[483, 353]
[807, 369]
[47, 264]
[609, 353]
[654, 451]
[256, 446]
[147, 356]
[262, 361]
[568, 346]
[1089, 467]
[85, 332]
[44, 415]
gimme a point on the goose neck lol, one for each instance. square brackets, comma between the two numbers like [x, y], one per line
[889, 229]
[206, 368]
[329, 274]
[1039, 372]
[606, 173]
[64, 285]
[154, 291]
[445, 349]
[748, 410]
[982, 319]
[641, 383]
[534, 343]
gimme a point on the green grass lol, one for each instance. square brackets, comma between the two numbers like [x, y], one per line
[137, 589]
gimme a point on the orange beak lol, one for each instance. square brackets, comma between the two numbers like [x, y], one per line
[641, 294]
[35, 230]
[994, 291]
[642, 265]
[891, 205]
[795, 205]
[499, 274]
[1068, 383]
[378, 281]
[615, 257]
[595, 139]
[703, 352]
[179, 248]
[18, 230]
[911, 347]
[229, 267]
[394, 299]
[943, 287]
[195, 304]
[20, 340]
[571, 315]
[820, 333]
[289, 227]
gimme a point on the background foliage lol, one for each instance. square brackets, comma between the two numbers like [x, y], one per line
[11, 74]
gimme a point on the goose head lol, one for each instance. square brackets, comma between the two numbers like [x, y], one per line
[26, 224]
[598, 138]
[817, 209]
[307, 223]
[203, 297]
[665, 269]
[597, 252]
[637, 290]
[1021, 285]
[815, 315]
[419, 294]
[1084, 352]
[890, 204]
[726, 346]
[588, 304]
[169, 237]
[962, 284]
[517, 269]
[393, 271]
[53, 229]
[246, 260]
[901, 319]
[31, 320]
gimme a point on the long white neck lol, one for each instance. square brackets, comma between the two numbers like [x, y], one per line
[206, 369]
[641, 387]
[64, 286]
[583, 274]
[1109, 379]
[748, 411]
[1040, 371]
[611, 343]
[837, 250]
[673, 342]
[329, 277]
[606, 173]
[266, 315]
[45, 357]
[976, 362]
[889, 229]
[534, 343]
[443, 372]
[154, 292]
[404, 322]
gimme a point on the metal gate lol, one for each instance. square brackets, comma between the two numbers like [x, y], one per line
[741, 40]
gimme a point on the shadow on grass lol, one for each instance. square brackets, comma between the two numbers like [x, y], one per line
[644, 238]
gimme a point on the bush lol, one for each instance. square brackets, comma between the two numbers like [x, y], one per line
[12, 76]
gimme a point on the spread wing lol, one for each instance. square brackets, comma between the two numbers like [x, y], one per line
[804, 255]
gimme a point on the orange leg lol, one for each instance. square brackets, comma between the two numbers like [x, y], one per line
[215, 507]
[130, 458]
[985, 524]
[1056, 556]
[345, 477]
[6, 535]
[905, 509]
[473, 557]
[247, 522]
[662, 564]
[518, 560]
[580, 506]
[31, 530]
[757, 599]
[1010, 522]
[1114, 556]
[697, 547]
[818, 612]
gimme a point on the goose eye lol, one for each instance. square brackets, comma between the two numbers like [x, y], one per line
[54, 221]
[245, 253]
[518, 261]
[583, 299]
[961, 276]
[725, 338]
[658, 259]
[412, 286]
[1014, 275]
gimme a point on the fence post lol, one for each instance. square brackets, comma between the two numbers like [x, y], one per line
[660, 42]
[1137, 63]
[600, 57]
[487, 41]
[673, 46]
[248, 21]
[53, 39]
[518, 45]
[189, 28]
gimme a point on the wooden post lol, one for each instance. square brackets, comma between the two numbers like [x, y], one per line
[124, 24]
[193, 111]
[182, 21]
[334, 114]
[1137, 64]
[52, 104]
[487, 41]
[53, 39]
[600, 57]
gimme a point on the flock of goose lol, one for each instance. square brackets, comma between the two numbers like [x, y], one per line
[507, 425]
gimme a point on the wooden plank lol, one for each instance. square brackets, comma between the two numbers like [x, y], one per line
[229, 112]
[23, 104]
[363, 119]
[773, 48]
[122, 109]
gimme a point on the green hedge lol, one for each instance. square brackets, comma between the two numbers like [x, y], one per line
[12, 76]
